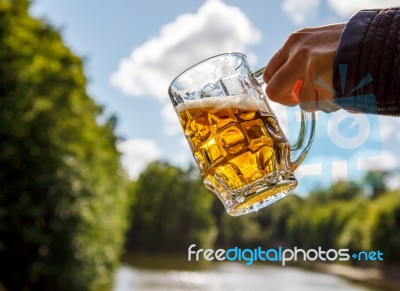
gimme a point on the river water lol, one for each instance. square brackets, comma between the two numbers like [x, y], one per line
[230, 277]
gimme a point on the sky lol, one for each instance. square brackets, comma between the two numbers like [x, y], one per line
[134, 49]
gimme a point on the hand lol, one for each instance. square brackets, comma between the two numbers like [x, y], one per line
[295, 73]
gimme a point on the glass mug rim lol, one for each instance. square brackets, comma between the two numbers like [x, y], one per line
[242, 58]
[299, 150]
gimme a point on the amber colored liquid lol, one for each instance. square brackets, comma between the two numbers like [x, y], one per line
[234, 143]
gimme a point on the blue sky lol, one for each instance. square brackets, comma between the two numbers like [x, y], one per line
[133, 49]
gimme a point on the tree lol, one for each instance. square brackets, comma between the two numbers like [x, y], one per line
[383, 226]
[63, 198]
[353, 233]
[323, 215]
[243, 231]
[340, 190]
[375, 180]
[172, 210]
[276, 217]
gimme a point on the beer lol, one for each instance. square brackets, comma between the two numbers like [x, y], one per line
[235, 138]
[236, 142]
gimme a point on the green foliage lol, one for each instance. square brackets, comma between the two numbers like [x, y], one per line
[240, 231]
[341, 190]
[376, 181]
[342, 216]
[274, 220]
[383, 226]
[171, 211]
[320, 220]
[353, 233]
[63, 198]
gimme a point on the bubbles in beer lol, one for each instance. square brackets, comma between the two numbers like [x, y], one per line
[210, 153]
[200, 127]
[231, 140]
[222, 118]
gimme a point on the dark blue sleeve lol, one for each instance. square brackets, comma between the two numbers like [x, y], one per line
[367, 63]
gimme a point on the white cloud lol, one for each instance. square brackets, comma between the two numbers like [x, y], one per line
[299, 10]
[137, 154]
[390, 140]
[393, 181]
[389, 128]
[346, 8]
[184, 157]
[171, 121]
[215, 28]
[385, 161]
[308, 170]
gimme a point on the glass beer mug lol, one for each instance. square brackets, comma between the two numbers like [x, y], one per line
[237, 143]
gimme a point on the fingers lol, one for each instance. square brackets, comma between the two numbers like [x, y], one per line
[323, 83]
[314, 97]
[308, 54]
[328, 105]
[297, 87]
[276, 62]
[283, 55]
[282, 85]
[305, 66]
[308, 96]
[326, 101]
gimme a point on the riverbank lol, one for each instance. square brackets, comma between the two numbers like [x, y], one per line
[228, 276]
[382, 278]
[385, 278]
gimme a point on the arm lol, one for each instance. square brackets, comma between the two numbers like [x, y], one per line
[363, 54]
[301, 72]
[368, 55]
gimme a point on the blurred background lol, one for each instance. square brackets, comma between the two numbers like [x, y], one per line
[98, 190]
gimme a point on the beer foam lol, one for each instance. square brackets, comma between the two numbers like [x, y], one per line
[240, 101]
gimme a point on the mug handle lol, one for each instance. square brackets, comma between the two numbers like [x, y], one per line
[301, 147]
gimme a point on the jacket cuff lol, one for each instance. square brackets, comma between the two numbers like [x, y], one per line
[347, 71]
